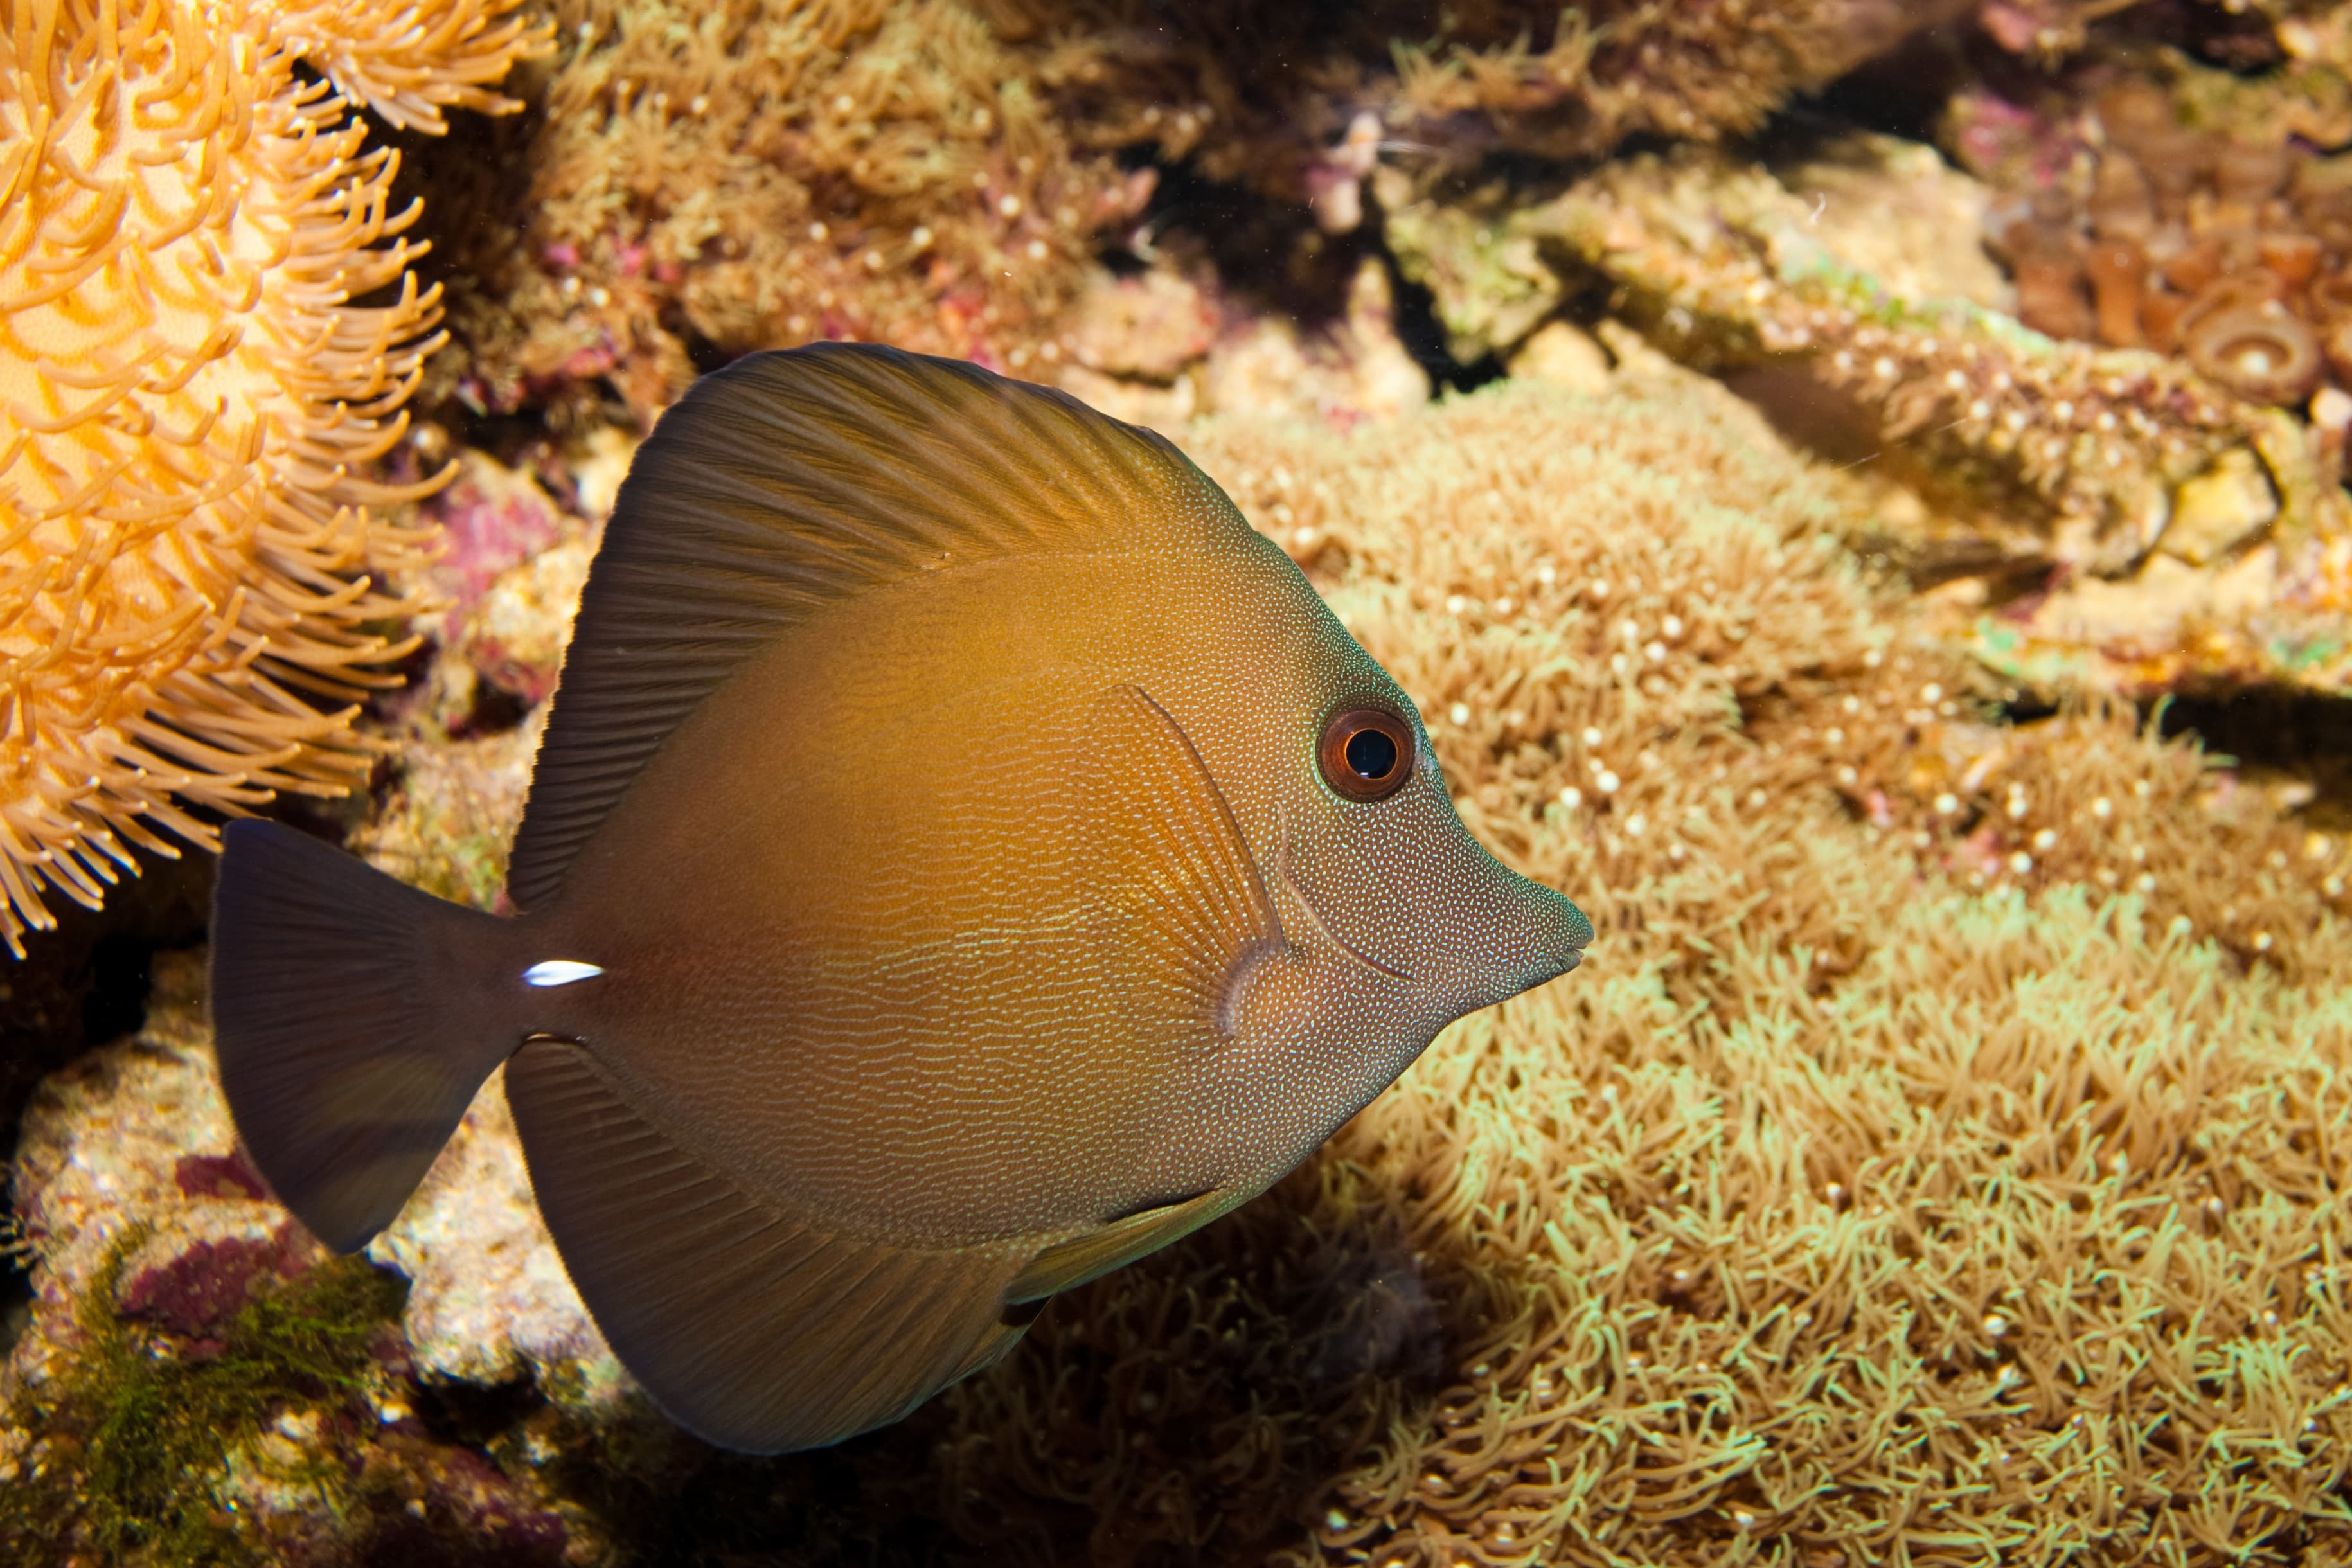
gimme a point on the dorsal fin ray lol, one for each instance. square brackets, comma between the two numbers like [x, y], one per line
[795, 480]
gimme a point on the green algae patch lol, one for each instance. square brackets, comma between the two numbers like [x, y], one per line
[145, 1426]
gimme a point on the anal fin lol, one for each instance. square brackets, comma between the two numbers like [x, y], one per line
[750, 1327]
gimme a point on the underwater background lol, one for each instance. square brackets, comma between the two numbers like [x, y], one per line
[1856, 488]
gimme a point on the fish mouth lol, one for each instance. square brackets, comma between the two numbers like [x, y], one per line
[1282, 869]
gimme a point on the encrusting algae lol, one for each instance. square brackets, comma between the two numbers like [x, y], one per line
[195, 567]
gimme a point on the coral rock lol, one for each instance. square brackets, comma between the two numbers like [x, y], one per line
[488, 1300]
[1564, 355]
[2219, 509]
[1147, 328]
[1719, 265]
[199, 1379]
[1479, 261]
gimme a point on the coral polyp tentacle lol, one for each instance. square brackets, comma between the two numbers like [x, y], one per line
[187, 209]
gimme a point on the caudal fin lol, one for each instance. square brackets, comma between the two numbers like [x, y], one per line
[352, 1024]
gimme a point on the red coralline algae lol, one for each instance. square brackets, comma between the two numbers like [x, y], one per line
[201, 1289]
[229, 1175]
[492, 519]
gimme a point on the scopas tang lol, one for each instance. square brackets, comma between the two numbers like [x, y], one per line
[963, 856]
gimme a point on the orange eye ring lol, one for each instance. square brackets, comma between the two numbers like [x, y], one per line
[1366, 753]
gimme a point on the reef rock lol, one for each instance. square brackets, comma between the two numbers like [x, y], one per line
[1249, 364]
[2052, 464]
[199, 1380]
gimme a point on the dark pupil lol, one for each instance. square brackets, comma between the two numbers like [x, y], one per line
[1371, 753]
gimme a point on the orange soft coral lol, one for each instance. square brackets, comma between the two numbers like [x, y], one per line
[189, 556]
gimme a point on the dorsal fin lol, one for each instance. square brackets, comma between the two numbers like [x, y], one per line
[791, 481]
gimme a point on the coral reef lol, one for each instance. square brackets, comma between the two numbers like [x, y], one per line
[200, 1383]
[195, 569]
[1947, 1117]
[1940, 1156]
[703, 181]
[2069, 469]
[764, 172]
[1299, 101]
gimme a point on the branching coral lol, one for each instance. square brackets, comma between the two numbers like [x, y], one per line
[1877, 1191]
[193, 559]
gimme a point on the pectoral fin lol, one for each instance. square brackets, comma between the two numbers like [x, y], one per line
[1191, 909]
[1090, 1256]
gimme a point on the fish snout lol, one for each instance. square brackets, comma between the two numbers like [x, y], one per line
[1537, 935]
[1555, 934]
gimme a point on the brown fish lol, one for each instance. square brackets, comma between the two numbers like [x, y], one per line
[964, 857]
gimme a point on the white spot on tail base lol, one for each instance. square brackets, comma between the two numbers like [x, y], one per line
[559, 972]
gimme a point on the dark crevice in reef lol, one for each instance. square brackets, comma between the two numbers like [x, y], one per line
[1280, 241]
[677, 1503]
[1262, 249]
[1900, 93]
[83, 984]
[1415, 319]
[1270, 253]
[2300, 733]
[473, 1414]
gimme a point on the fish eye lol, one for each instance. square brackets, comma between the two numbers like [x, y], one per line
[1366, 753]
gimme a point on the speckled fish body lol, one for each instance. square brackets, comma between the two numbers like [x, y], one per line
[937, 891]
[866, 1009]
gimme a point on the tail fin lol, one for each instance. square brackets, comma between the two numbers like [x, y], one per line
[354, 1024]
